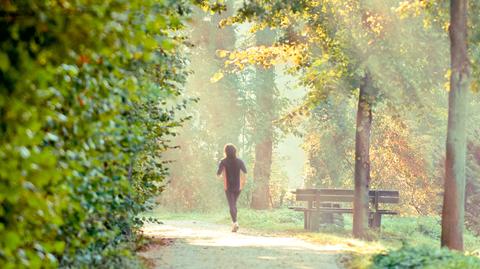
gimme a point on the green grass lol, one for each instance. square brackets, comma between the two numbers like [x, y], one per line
[396, 232]
[270, 221]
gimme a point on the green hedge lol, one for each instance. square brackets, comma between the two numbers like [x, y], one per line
[89, 92]
[424, 257]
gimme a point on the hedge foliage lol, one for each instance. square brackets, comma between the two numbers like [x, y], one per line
[89, 94]
[424, 257]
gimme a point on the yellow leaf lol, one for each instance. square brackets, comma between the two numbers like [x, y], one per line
[222, 53]
[475, 87]
[216, 77]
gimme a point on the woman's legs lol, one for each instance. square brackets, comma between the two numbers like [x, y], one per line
[232, 197]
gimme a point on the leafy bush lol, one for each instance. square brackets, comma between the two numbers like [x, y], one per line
[424, 257]
[89, 92]
[419, 230]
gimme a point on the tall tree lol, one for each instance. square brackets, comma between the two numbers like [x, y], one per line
[263, 127]
[454, 191]
[362, 156]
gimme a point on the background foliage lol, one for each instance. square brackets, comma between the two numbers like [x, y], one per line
[328, 44]
[228, 111]
[216, 119]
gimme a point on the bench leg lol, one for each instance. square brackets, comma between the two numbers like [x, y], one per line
[377, 220]
[305, 220]
[314, 221]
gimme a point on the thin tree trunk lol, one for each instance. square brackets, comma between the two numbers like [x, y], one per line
[453, 212]
[264, 129]
[362, 157]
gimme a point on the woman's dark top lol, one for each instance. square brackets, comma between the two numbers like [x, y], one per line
[232, 169]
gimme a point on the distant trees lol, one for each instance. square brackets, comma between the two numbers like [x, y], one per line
[217, 117]
[346, 46]
[373, 51]
[236, 108]
[263, 130]
[329, 131]
[329, 35]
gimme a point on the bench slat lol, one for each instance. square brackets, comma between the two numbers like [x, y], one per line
[388, 200]
[344, 198]
[391, 193]
[341, 210]
[325, 198]
[304, 209]
[334, 210]
[387, 212]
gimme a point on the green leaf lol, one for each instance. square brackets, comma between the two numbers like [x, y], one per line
[4, 62]
[12, 240]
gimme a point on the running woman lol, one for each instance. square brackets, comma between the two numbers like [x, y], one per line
[233, 171]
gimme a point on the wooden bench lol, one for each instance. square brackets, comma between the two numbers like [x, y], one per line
[328, 202]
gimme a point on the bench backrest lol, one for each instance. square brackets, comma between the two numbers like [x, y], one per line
[345, 195]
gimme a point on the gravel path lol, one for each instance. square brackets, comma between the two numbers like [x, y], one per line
[190, 244]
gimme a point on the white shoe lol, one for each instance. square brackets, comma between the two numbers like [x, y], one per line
[235, 227]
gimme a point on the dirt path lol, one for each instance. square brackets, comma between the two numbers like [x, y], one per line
[188, 244]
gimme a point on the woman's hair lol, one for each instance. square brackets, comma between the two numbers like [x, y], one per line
[230, 151]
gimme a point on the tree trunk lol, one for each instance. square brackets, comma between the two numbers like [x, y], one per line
[263, 129]
[362, 157]
[453, 212]
[261, 173]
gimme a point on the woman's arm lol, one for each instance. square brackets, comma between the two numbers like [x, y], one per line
[220, 169]
[243, 175]
[243, 179]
